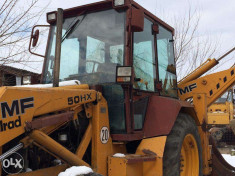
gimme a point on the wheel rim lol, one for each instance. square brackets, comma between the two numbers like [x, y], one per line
[189, 160]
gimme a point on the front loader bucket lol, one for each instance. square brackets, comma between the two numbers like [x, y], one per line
[219, 165]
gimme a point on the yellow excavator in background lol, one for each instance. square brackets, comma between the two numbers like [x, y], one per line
[222, 111]
[222, 120]
[109, 86]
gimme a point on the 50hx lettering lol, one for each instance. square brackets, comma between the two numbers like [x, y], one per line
[78, 99]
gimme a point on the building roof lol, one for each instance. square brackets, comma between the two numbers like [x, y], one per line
[16, 71]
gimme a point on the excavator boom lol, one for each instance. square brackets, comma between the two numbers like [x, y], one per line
[213, 85]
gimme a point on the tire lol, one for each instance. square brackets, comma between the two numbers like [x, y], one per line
[184, 135]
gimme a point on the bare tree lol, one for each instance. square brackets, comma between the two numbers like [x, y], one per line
[192, 48]
[16, 21]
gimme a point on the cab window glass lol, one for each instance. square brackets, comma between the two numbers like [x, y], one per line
[116, 54]
[144, 58]
[166, 62]
[95, 54]
[92, 46]
[70, 54]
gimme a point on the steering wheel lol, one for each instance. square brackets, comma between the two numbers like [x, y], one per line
[94, 64]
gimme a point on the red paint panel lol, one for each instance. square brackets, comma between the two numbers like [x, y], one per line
[161, 115]
[127, 137]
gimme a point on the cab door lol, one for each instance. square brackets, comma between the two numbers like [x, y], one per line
[144, 64]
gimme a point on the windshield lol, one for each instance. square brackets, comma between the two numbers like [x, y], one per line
[92, 47]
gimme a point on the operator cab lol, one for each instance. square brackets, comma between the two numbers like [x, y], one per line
[99, 38]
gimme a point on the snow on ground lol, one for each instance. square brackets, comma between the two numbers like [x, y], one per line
[120, 155]
[230, 159]
[76, 170]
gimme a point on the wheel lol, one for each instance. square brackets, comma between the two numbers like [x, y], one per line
[183, 151]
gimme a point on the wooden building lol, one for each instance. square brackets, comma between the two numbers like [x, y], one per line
[11, 76]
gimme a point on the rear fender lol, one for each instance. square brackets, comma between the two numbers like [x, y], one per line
[162, 113]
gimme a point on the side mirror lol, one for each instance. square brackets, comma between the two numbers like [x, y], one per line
[35, 38]
[124, 74]
[137, 20]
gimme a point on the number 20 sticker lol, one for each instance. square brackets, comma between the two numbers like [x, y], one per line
[104, 135]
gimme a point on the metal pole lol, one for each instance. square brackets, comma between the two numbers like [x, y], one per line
[226, 54]
[59, 26]
[9, 152]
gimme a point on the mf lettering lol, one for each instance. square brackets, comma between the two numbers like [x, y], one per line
[17, 107]
[188, 89]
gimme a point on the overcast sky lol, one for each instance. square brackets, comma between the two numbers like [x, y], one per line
[217, 17]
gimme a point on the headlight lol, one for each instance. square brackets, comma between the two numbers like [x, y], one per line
[51, 17]
[119, 2]
[124, 74]
[124, 71]
[26, 80]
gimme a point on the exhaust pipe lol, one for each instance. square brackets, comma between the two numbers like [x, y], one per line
[59, 26]
[13, 150]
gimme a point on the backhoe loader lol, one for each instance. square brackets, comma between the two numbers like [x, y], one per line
[221, 112]
[109, 86]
